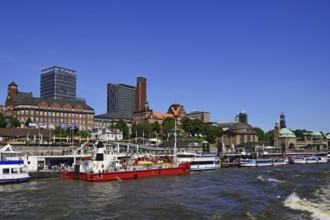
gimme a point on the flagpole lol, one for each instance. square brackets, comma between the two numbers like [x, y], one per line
[39, 135]
[60, 136]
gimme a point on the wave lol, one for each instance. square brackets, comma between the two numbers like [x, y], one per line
[318, 211]
[262, 179]
[275, 180]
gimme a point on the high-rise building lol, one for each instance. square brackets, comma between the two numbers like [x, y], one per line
[141, 93]
[58, 83]
[121, 98]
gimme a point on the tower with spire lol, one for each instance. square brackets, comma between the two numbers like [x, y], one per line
[282, 120]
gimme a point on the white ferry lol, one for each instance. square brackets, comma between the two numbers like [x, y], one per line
[199, 162]
[247, 163]
[12, 169]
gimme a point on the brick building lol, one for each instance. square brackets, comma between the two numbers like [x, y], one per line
[22, 105]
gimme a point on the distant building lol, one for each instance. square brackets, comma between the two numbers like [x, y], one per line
[58, 83]
[141, 93]
[121, 98]
[238, 136]
[204, 117]
[282, 120]
[109, 119]
[106, 134]
[148, 115]
[225, 125]
[47, 111]
[242, 117]
[285, 139]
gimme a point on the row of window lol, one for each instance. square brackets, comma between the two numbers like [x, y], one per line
[56, 120]
[57, 114]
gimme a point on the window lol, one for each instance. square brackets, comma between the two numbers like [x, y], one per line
[14, 170]
[5, 171]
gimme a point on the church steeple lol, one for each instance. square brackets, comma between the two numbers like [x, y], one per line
[282, 120]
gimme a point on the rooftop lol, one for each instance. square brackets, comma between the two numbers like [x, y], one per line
[57, 68]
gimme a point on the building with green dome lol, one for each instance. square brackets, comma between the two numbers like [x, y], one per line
[285, 139]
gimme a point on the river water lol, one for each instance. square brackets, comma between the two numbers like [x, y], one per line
[288, 192]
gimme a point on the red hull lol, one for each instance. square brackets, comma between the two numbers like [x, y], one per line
[183, 168]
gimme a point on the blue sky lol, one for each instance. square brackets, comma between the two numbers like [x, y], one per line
[218, 56]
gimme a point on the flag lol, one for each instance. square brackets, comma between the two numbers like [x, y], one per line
[72, 127]
[42, 125]
[63, 127]
[32, 125]
[51, 126]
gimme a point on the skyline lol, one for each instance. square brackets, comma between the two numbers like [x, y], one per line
[260, 57]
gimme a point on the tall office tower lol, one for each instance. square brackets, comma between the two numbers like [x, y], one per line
[121, 98]
[141, 93]
[282, 120]
[58, 83]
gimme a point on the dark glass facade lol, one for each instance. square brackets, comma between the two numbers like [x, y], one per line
[58, 83]
[121, 98]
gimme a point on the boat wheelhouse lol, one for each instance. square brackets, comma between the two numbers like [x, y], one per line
[12, 168]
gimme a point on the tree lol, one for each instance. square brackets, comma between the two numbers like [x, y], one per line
[260, 134]
[197, 126]
[187, 125]
[121, 125]
[16, 123]
[300, 133]
[211, 133]
[2, 121]
[269, 137]
[27, 122]
[168, 125]
[156, 127]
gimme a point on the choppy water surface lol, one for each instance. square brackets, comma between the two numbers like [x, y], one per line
[290, 192]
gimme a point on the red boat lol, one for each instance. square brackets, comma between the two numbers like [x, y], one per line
[109, 165]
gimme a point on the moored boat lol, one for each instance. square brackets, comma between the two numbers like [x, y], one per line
[199, 162]
[247, 162]
[12, 169]
[298, 160]
[264, 162]
[110, 165]
[281, 161]
[311, 159]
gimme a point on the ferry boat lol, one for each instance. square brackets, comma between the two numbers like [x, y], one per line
[298, 160]
[278, 162]
[199, 162]
[322, 159]
[108, 165]
[12, 169]
[264, 162]
[247, 162]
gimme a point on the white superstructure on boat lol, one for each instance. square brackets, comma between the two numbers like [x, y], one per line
[199, 162]
[12, 168]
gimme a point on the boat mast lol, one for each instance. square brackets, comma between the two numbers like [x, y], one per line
[174, 150]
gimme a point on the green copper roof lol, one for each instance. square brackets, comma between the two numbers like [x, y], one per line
[316, 134]
[286, 133]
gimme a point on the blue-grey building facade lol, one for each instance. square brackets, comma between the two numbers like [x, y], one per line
[58, 83]
[121, 98]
